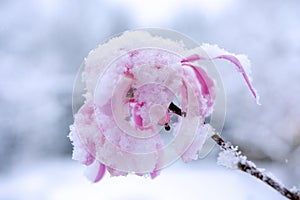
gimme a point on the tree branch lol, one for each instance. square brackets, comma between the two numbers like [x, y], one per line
[240, 161]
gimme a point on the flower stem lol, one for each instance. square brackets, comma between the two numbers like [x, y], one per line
[250, 168]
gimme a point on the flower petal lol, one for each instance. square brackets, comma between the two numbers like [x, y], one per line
[95, 172]
[240, 61]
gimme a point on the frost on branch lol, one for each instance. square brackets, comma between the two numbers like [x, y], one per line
[232, 158]
[294, 189]
[228, 158]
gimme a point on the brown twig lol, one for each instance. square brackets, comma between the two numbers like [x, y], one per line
[249, 167]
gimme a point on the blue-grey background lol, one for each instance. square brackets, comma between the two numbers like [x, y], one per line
[43, 43]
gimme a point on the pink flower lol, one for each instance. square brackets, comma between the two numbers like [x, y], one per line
[146, 104]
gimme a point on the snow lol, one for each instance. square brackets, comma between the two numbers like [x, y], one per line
[272, 176]
[62, 179]
[228, 158]
[295, 190]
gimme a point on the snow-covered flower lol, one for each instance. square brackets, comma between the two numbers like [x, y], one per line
[147, 100]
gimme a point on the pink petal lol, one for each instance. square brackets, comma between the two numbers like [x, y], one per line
[192, 58]
[101, 172]
[240, 61]
[137, 117]
[95, 172]
[205, 82]
[241, 69]
[114, 172]
[154, 174]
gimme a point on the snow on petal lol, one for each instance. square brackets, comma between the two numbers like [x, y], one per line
[79, 151]
[137, 117]
[237, 62]
[192, 152]
[205, 82]
[241, 62]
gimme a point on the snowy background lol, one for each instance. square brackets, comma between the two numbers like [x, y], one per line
[43, 43]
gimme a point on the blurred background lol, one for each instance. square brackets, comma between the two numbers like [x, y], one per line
[43, 43]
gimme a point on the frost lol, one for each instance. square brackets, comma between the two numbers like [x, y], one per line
[294, 189]
[269, 175]
[228, 159]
